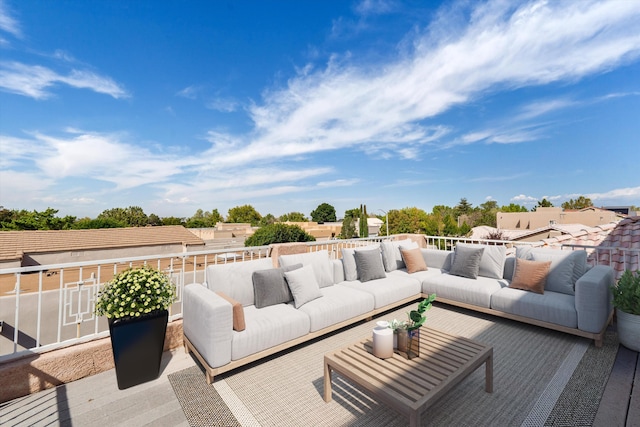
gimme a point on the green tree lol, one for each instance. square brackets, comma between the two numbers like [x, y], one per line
[133, 216]
[202, 219]
[348, 230]
[278, 233]
[512, 207]
[579, 203]
[268, 219]
[293, 217]
[364, 225]
[87, 223]
[323, 213]
[450, 226]
[244, 214]
[154, 220]
[407, 220]
[544, 203]
[35, 220]
[173, 220]
[463, 208]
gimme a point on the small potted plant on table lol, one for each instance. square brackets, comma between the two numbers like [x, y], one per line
[409, 331]
[135, 303]
[626, 300]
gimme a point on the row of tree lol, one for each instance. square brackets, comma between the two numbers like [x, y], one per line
[443, 220]
[134, 216]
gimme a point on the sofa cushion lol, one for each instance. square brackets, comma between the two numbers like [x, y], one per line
[338, 304]
[235, 279]
[349, 260]
[553, 307]
[492, 260]
[466, 261]
[392, 259]
[471, 291]
[319, 260]
[270, 287]
[268, 327]
[413, 260]
[369, 265]
[418, 275]
[389, 290]
[237, 310]
[566, 267]
[530, 275]
[303, 285]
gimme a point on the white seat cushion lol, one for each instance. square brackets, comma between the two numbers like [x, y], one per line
[389, 290]
[268, 327]
[553, 307]
[471, 291]
[338, 303]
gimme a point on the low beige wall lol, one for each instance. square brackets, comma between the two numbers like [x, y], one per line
[42, 371]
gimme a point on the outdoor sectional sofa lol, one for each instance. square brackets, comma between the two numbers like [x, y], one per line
[249, 310]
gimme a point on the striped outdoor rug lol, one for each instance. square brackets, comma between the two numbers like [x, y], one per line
[541, 377]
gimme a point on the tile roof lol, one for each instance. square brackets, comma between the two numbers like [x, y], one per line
[624, 234]
[13, 244]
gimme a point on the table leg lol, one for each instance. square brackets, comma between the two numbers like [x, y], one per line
[327, 382]
[489, 374]
[414, 419]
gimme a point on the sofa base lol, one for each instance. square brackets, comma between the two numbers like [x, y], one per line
[212, 372]
[597, 337]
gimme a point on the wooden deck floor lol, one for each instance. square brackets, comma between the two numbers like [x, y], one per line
[96, 400]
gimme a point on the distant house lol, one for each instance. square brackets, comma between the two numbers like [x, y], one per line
[43, 247]
[543, 217]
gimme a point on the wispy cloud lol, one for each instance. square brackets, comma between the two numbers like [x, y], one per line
[225, 105]
[190, 92]
[540, 108]
[393, 104]
[629, 193]
[36, 81]
[8, 23]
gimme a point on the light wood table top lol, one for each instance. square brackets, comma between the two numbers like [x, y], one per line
[411, 386]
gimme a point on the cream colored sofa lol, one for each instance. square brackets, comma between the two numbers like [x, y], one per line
[345, 291]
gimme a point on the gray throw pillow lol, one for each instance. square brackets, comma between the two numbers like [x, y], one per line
[466, 262]
[270, 286]
[369, 265]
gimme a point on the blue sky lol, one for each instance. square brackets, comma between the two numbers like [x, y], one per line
[178, 106]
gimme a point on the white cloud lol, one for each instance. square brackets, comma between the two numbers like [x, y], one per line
[7, 23]
[35, 80]
[522, 198]
[627, 193]
[189, 92]
[543, 107]
[225, 105]
[375, 7]
[386, 105]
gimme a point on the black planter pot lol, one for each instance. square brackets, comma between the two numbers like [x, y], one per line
[137, 345]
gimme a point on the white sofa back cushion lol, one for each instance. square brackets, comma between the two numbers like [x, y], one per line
[566, 266]
[322, 267]
[492, 261]
[391, 256]
[235, 279]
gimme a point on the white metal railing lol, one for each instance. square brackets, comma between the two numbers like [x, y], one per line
[52, 306]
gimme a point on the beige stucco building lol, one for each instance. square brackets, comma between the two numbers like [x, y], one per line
[544, 217]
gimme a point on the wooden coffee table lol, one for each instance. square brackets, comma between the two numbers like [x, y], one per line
[411, 386]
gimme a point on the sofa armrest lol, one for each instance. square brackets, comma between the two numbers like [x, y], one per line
[436, 258]
[593, 298]
[208, 324]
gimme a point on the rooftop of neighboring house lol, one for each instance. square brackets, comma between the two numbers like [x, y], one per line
[14, 244]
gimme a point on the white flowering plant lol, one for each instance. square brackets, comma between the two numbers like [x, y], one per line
[135, 292]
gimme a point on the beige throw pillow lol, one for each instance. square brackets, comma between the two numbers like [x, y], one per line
[413, 259]
[530, 275]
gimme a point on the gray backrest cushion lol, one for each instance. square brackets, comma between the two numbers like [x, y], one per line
[349, 260]
[319, 260]
[509, 267]
[235, 279]
[566, 266]
[369, 265]
[466, 261]
[391, 256]
[492, 261]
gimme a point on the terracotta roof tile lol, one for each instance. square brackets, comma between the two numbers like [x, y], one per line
[15, 243]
